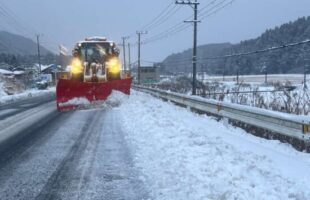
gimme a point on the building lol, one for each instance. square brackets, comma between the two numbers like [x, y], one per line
[49, 73]
[149, 74]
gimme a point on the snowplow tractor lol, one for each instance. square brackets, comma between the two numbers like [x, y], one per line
[95, 71]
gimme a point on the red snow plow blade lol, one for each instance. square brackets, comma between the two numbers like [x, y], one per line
[70, 93]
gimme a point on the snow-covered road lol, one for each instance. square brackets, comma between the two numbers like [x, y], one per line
[12, 109]
[140, 147]
[80, 155]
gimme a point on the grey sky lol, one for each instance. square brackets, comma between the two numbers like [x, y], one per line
[67, 21]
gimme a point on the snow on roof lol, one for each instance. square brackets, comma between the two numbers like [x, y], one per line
[81, 42]
[44, 67]
[19, 69]
[19, 72]
[96, 38]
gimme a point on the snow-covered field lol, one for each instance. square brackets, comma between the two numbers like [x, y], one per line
[277, 96]
[183, 155]
[293, 78]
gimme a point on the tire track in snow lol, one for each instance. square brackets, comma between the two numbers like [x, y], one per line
[19, 107]
[114, 175]
[13, 155]
[69, 177]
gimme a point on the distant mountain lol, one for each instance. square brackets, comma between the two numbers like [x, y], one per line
[18, 45]
[289, 60]
[180, 62]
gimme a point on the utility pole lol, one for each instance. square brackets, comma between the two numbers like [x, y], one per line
[265, 70]
[194, 5]
[129, 58]
[39, 55]
[238, 76]
[201, 72]
[223, 72]
[305, 67]
[238, 70]
[305, 75]
[139, 33]
[223, 76]
[124, 52]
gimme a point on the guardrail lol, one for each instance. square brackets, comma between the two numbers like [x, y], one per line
[286, 124]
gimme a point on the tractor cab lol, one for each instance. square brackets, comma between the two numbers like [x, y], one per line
[95, 60]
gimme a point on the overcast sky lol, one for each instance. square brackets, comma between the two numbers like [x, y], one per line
[68, 21]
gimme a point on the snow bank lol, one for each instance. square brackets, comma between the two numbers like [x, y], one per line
[183, 155]
[75, 102]
[114, 100]
[4, 98]
[2, 92]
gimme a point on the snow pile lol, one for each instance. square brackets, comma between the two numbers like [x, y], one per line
[116, 98]
[183, 155]
[78, 101]
[2, 92]
[4, 98]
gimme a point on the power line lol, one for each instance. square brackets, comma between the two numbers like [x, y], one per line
[175, 29]
[186, 61]
[217, 7]
[159, 16]
[172, 31]
[164, 19]
[259, 51]
[13, 20]
[180, 26]
[16, 23]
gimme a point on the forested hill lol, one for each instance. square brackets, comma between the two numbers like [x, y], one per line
[13, 44]
[289, 60]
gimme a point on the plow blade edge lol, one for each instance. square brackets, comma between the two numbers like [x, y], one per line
[70, 93]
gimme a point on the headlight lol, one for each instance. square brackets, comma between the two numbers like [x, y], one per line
[114, 65]
[76, 66]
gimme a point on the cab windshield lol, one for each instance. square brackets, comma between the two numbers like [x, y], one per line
[96, 52]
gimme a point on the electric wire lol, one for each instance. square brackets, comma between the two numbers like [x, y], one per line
[18, 25]
[181, 26]
[290, 45]
[164, 19]
[259, 51]
[158, 17]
